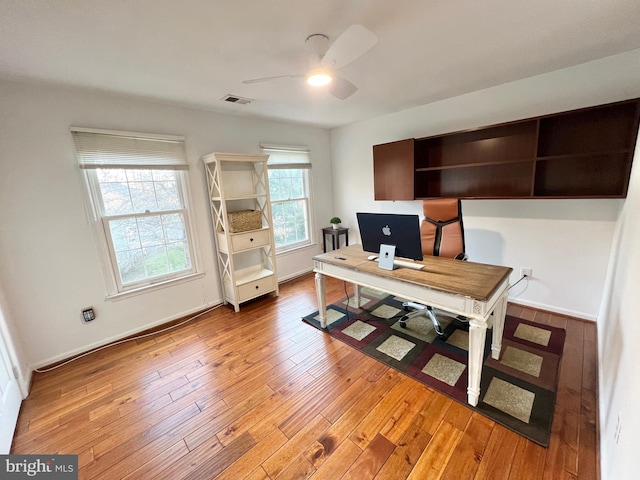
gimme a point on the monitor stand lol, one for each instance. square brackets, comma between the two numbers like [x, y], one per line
[387, 256]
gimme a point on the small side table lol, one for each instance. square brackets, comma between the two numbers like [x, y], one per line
[335, 236]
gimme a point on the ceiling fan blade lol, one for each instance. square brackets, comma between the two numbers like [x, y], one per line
[354, 42]
[342, 88]
[267, 79]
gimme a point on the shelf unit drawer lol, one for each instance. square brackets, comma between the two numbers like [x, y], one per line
[248, 240]
[256, 288]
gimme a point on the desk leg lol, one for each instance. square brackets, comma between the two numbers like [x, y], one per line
[322, 299]
[477, 337]
[498, 325]
[356, 295]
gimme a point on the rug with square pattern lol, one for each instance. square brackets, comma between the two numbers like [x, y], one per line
[517, 391]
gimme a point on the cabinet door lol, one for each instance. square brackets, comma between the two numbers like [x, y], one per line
[393, 170]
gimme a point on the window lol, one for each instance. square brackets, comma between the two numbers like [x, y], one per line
[138, 191]
[289, 190]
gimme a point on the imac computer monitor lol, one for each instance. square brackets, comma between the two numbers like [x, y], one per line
[403, 231]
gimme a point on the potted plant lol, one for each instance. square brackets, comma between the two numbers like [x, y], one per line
[335, 221]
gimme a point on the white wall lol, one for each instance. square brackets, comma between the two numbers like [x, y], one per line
[50, 265]
[565, 242]
[618, 338]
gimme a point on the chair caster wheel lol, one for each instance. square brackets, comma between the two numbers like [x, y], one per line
[403, 324]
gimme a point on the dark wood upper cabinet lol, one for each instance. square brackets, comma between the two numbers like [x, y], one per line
[393, 170]
[585, 153]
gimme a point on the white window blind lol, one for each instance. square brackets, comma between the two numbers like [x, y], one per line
[109, 149]
[287, 156]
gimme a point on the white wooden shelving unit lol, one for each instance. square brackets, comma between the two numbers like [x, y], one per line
[246, 260]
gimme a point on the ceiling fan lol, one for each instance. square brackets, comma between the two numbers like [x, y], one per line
[323, 60]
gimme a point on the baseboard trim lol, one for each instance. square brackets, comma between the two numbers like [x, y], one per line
[293, 276]
[552, 309]
[130, 334]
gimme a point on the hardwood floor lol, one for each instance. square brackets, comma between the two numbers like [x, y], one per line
[261, 395]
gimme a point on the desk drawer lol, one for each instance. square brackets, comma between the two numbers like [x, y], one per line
[256, 288]
[245, 241]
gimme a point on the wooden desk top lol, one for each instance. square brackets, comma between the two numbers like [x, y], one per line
[475, 280]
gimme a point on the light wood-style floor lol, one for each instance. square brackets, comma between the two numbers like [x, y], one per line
[261, 395]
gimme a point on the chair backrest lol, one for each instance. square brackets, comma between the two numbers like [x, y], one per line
[441, 230]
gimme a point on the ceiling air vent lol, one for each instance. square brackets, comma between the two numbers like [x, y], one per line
[236, 99]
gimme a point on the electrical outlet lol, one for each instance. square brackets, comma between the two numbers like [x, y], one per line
[88, 314]
[528, 272]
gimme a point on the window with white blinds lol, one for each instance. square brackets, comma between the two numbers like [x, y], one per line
[138, 190]
[290, 192]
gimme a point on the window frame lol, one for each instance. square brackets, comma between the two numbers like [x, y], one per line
[101, 229]
[306, 179]
[292, 157]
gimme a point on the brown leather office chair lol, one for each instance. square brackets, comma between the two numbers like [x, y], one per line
[442, 234]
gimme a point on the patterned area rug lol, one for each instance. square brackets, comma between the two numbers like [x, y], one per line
[517, 391]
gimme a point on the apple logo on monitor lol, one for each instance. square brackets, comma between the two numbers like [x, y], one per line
[386, 230]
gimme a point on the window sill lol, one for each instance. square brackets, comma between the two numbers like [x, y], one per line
[295, 248]
[154, 287]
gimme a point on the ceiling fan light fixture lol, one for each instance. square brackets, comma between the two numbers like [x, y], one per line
[319, 77]
[324, 59]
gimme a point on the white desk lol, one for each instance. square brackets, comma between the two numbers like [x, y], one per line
[474, 290]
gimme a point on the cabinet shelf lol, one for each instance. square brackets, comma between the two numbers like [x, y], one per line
[474, 165]
[579, 176]
[584, 153]
[589, 131]
[508, 180]
[501, 143]
[251, 275]
[229, 198]
[247, 232]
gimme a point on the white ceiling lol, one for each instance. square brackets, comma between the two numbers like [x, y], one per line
[194, 52]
